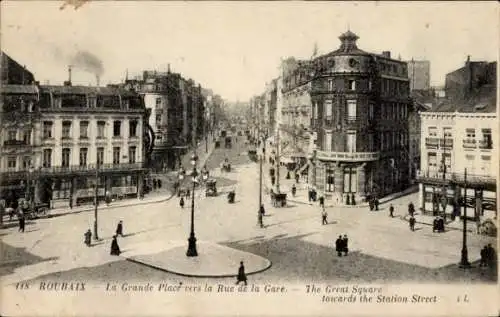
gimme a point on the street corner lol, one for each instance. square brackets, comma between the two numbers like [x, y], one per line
[213, 261]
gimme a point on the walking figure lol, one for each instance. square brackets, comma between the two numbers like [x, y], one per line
[88, 237]
[322, 202]
[324, 217]
[262, 211]
[119, 229]
[242, 277]
[412, 223]
[22, 220]
[260, 220]
[345, 242]
[376, 204]
[338, 246]
[484, 255]
[391, 211]
[181, 202]
[297, 177]
[115, 248]
[294, 190]
[411, 209]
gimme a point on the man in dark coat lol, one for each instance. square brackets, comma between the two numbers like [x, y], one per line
[261, 223]
[115, 249]
[411, 209]
[262, 210]
[242, 277]
[339, 246]
[181, 202]
[345, 245]
[484, 255]
[119, 229]
[391, 211]
[324, 217]
[22, 219]
[322, 202]
[88, 237]
[376, 204]
[412, 223]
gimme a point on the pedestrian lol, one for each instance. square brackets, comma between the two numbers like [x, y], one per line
[491, 256]
[261, 223]
[297, 177]
[391, 211]
[412, 223]
[322, 202]
[159, 183]
[119, 228]
[324, 217]
[181, 202]
[411, 209]
[154, 183]
[262, 210]
[22, 219]
[370, 203]
[88, 237]
[294, 190]
[70, 201]
[376, 204]
[115, 248]
[338, 246]
[484, 256]
[345, 242]
[242, 277]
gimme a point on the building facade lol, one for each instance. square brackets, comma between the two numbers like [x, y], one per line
[75, 136]
[461, 137]
[12, 73]
[360, 108]
[419, 74]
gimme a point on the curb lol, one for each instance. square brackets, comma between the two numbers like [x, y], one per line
[109, 207]
[194, 275]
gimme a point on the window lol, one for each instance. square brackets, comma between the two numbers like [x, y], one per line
[431, 160]
[447, 132]
[371, 145]
[371, 111]
[432, 131]
[485, 164]
[370, 85]
[351, 110]
[351, 142]
[328, 111]
[66, 130]
[11, 162]
[470, 133]
[133, 128]
[330, 180]
[92, 102]
[382, 143]
[65, 157]
[447, 161]
[117, 125]
[158, 119]
[26, 162]
[100, 156]
[315, 110]
[47, 158]
[328, 141]
[352, 84]
[11, 135]
[47, 129]
[158, 102]
[486, 142]
[131, 154]
[330, 84]
[83, 156]
[116, 155]
[101, 128]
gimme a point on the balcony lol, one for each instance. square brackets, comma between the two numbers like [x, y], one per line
[15, 143]
[435, 176]
[432, 142]
[469, 144]
[485, 145]
[446, 143]
[347, 156]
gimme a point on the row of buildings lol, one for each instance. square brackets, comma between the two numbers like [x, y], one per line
[353, 121]
[65, 144]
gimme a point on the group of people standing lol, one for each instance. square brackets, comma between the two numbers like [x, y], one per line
[341, 245]
[115, 248]
[488, 256]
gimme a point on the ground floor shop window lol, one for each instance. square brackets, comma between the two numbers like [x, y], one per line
[350, 181]
[330, 180]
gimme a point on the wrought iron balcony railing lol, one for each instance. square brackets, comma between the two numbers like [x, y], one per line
[347, 156]
[433, 142]
[472, 178]
[469, 143]
[16, 143]
[485, 144]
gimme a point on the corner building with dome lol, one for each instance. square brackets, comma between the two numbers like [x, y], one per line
[360, 132]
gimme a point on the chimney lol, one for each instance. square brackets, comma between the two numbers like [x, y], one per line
[168, 68]
[386, 54]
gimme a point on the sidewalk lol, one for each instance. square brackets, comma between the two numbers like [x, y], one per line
[449, 225]
[301, 196]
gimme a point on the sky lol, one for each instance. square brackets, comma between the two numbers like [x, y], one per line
[234, 48]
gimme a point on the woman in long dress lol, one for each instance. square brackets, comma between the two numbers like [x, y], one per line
[115, 249]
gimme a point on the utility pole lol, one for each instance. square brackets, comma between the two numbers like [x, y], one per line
[277, 159]
[96, 236]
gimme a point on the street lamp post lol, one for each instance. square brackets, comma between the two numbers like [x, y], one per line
[192, 239]
[464, 261]
[444, 190]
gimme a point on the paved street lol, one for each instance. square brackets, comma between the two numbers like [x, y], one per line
[381, 248]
